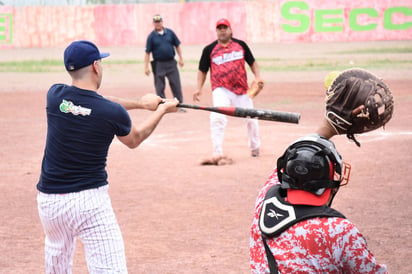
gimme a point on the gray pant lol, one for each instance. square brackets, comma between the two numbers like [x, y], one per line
[163, 69]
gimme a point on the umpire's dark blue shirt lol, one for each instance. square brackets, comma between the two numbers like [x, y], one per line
[162, 46]
[81, 125]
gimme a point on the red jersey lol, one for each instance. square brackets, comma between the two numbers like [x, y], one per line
[317, 245]
[227, 65]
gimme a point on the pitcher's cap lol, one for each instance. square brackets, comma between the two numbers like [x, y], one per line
[223, 21]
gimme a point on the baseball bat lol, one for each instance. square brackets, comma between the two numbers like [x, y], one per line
[261, 114]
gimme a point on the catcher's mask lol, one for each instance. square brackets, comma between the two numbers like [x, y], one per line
[309, 169]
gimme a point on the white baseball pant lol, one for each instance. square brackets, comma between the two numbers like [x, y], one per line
[88, 215]
[223, 97]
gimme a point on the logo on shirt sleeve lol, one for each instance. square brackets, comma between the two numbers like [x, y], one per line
[69, 107]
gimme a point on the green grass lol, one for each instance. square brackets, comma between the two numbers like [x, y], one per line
[31, 66]
[377, 50]
[49, 65]
[265, 64]
[332, 64]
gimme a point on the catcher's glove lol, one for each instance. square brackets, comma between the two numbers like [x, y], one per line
[357, 101]
[255, 88]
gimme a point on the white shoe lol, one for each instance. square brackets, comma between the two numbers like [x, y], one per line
[255, 152]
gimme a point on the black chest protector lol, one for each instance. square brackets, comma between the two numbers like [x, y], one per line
[277, 215]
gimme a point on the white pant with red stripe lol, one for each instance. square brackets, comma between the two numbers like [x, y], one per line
[89, 216]
[223, 97]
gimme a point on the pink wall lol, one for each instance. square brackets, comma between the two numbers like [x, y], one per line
[194, 23]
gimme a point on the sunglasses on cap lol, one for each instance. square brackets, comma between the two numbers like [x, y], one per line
[157, 18]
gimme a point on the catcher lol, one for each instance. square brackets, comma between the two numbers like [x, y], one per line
[293, 209]
[294, 228]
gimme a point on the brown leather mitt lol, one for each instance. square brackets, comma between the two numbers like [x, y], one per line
[357, 101]
[255, 88]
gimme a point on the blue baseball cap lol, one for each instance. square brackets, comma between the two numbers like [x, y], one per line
[80, 54]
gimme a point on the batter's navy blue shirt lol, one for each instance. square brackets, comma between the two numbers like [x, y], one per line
[81, 125]
[162, 46]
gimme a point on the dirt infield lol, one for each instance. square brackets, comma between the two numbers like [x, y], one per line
[179, 217]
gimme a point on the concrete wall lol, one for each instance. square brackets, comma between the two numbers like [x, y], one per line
[194, 23]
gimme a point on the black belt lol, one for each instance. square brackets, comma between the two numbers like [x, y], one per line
[165, 60]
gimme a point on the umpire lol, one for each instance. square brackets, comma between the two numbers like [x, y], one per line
[162, 42]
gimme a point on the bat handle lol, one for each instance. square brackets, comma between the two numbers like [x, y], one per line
[181, 105]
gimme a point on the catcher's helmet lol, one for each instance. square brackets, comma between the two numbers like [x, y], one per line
[310, 164]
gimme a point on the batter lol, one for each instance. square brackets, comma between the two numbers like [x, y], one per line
[73, 199]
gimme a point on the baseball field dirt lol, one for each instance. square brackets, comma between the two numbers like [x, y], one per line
[179, 217]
